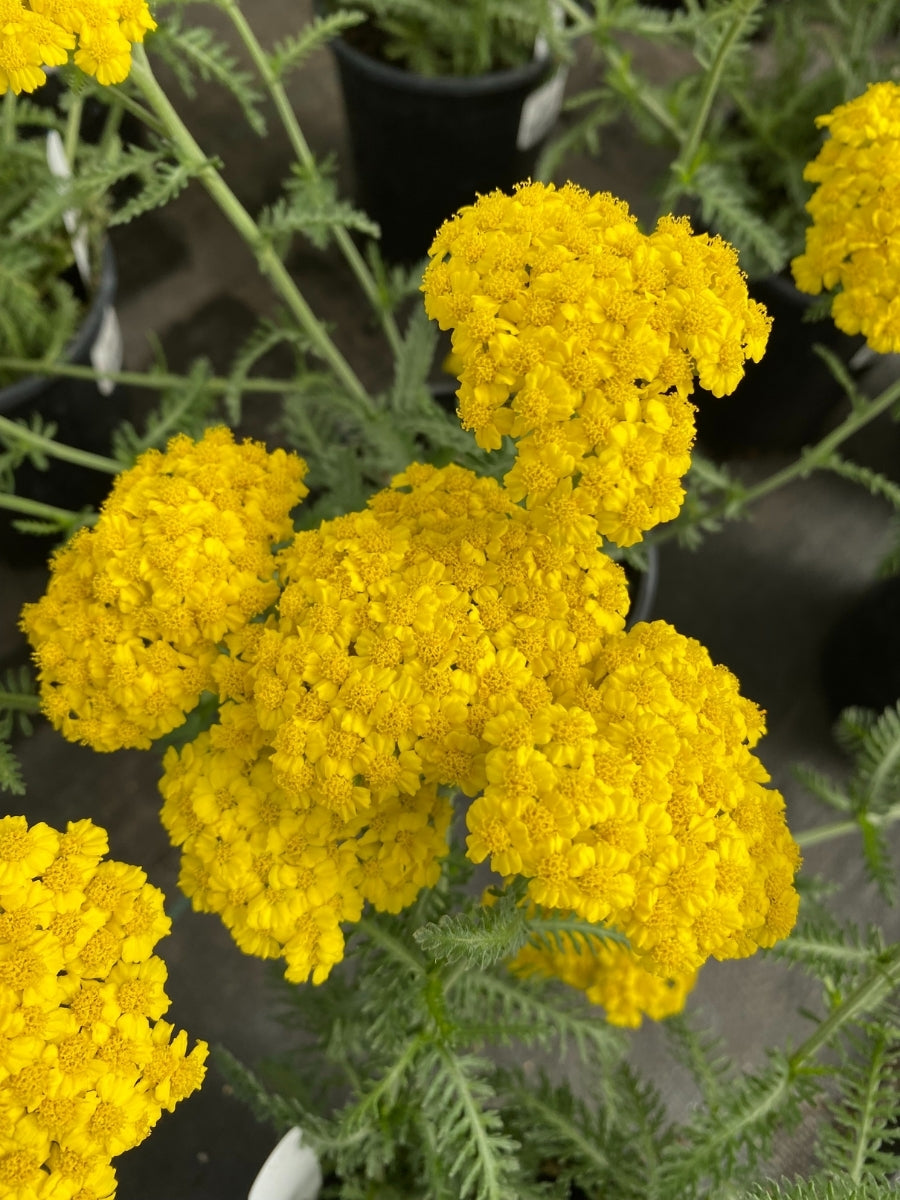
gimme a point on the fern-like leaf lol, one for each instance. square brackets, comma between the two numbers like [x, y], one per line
[11, 778]
[481, 937]
[479, 1156]
[293, 51]
[193, 51]
[725, 209]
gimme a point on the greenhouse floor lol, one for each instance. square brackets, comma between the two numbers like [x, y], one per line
[761, 594]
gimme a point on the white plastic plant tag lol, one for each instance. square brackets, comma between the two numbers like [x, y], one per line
[540, 110]
[59, 167]
[106, 352]
[291, 1172]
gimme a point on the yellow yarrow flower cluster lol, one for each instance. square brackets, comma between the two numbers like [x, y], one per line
[443, 638]
[40, 33]
[86, 1064]
[635, 800]
[610, 975]
[404, 633]
[181, 556]
[854, 240]
[580, 338]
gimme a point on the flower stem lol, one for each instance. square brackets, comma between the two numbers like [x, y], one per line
[34, 508]
[21, 434]
[683, 167]
[73, 129]
[269, 263]
[881, 982]
[812, 458]
[301, 149]
[19, 702]
[827, 833]
[9, 118]
[153, 380]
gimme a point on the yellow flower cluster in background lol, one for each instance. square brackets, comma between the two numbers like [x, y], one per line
[611, 975]
[86, 1064]
[40, 33]
[127, 631]
[580, 338]
[854, 240]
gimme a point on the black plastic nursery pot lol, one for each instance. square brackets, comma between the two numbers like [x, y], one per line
[83, 418]
[424, 146]
[784, 401]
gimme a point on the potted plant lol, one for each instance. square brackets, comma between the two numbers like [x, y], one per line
[58, 292]
[741, 122]
[444, 101]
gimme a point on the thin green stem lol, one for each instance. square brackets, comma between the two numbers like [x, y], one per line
[269, 263]
[129, 104]
[111, 125]
[582, 24]
[73, 130]
[19, 702]
[151, 380]
[683, 166]
[884, 977]
[827, 833]
[9, 118]
[301, 149]
[387, 942]
[46, 512]
[21, 434]
[811, 459]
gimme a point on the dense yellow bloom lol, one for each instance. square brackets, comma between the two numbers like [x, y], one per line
[611, 975]
[854, 240]
[635, 801]
[40, 33]
[402, 633]
[86, 1066]
[128, 630]
[580, 337]
[445, 638]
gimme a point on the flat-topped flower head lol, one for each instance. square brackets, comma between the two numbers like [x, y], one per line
[86, 1064]
[634, 800]
[444, 638]
[581, 338]
[35, 34]
[853, 244]
[402, 635]
[181, 556]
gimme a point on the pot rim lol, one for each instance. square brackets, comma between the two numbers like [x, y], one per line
[17, 393]
[449, 85]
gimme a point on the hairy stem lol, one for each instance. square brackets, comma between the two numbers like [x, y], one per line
[682, 168]
[34, 508]
[301, 149]
[811, 459]
[13, 433]
[882, 980]
[269, 263]
[151, 380]
[582, 24]
[827, 833]
[8, 127]
[19, 702]
[394, 947]
[73, 130]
